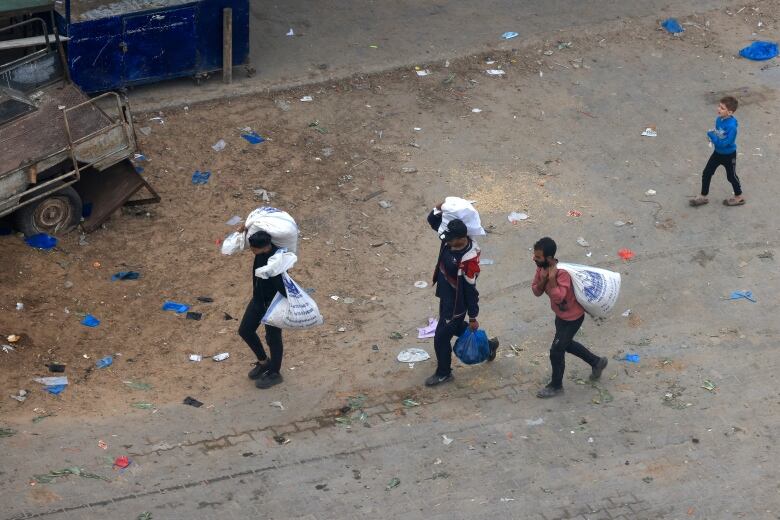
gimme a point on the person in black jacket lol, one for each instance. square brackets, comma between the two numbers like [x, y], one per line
[266, 371]
[455, 279]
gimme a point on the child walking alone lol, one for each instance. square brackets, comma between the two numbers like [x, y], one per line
[723, 138]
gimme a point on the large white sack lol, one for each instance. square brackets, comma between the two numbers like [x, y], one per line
[277, 223]
[297, 311]
[233, 243]
[280, 262]
[457, 208]
[596, 289]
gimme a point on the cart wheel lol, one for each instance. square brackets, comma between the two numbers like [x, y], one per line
[56, 214]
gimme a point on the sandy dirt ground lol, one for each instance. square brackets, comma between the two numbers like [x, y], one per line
[330, 162]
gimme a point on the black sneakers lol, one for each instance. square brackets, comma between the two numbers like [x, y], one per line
[258, 369]
[268, 379]
[493, 342]
[436, 379]
[598, 369]
[549, 391]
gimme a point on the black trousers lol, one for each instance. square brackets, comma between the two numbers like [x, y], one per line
[728, 161]
[563, 343]
[442, 340]
[273, 336]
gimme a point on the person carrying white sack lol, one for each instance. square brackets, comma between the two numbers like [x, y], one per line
[266, 372]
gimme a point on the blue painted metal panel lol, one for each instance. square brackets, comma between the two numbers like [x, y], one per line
[159, 45]
[210, 33]
[95, 55]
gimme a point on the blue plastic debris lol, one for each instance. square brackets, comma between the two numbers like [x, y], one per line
[738, 295]
[672, 26]
[55, 389]
[90, 321]
[200, 177]
[86, 209]
[632, 358]
[53, 385]
[139, 169]
[472, 347]
[105, 362]
[178, 308]
[41, 241]
[509, 35]
[253, 137]
[759, 51]
[125, 275]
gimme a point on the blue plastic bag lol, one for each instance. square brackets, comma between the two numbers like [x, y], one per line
[672, 25]
[177, 307]
[105, 362]
[253, 138]
[759, 51]
[472, 347]
[90, 321]
[200, 177]
[125, 275]
[41, 241]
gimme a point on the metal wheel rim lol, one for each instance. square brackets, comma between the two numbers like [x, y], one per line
[53, 214]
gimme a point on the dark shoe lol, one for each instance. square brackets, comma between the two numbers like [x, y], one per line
[598, 369]
[268, 379]
[436, 379]
[549, 391]
[258, 370]
[493, 342]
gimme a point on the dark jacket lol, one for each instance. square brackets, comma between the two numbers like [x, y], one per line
[455, 277]
[263, 291]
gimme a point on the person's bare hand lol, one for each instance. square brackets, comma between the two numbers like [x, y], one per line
[474, 325]
[439, 205]
[552, 271]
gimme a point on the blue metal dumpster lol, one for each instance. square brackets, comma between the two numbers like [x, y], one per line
[114, 44]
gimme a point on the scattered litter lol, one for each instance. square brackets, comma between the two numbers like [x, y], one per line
[516, 217]
[7, 432]
[650, 131]
[584, 243]
[423, 72]
[146, 130]
[41, 241]
[265, 195]
[394, 483]
[56, 367]
[738, 295]
[200, 177]
[7, 349]
[19, 306]
[603, 397]
[125, 275]
[196, 357]
[429, 331]
[534, 422]
[631, 358]
[49, 477]
[408, 170]
[290, 32]
[410, 403]
[102, 445]
[283, 105]
[43, 415]
[221, 357]
[396, 335]
[446, 440]
[564, 45]
[306, 99]
[504, 499]
[574, 213]
[20, 396]
[195, 316]
[619, 223]
[13, 338]
[495, 72]
[627, 313]
[759, 51]
[277, 404]
[143, 406]
[192, 402]
[122, 462]
[253, 137]
[413, 355]
[90, 321]
[672, 26]
[205, 299]
[708, 385]
[486, 261]
[178, 308]
[104, 362]
[386, 204]
[509, 35]
[476, 110]
[650, 193]
[281, 440]
[138, 385]
[626, 254]
[219, 145]
[327, 151]
[420, 284]
[146, 515]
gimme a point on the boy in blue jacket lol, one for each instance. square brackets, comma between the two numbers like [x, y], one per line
[724, 139]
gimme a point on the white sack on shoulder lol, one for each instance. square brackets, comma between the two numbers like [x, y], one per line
[280, 262]
[596, 289]
[277, 223]
[455, 207]
[233, 243]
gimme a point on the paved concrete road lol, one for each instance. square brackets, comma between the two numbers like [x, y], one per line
[334, 37]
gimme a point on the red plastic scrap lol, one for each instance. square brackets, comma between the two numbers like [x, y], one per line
[574, 213]
[122, 462]
[626, 254]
